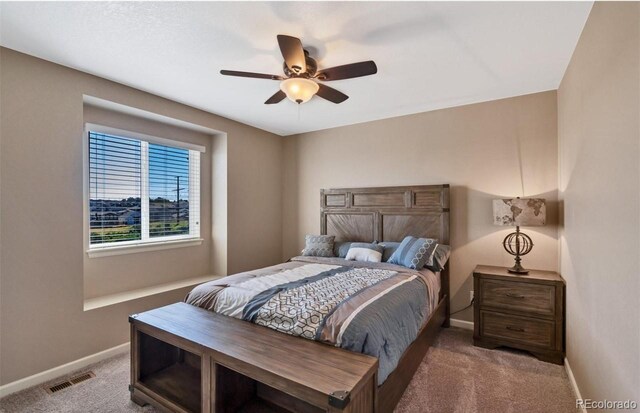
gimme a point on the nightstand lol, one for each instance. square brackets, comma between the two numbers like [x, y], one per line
[524, 312]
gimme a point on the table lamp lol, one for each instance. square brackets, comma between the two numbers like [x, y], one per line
[517, 212]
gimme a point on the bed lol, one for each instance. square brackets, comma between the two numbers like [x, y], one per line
[368, 307]
[387, 311]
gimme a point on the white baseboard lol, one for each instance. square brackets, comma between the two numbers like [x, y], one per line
[467, 325]
[59, 371]
[572, 380]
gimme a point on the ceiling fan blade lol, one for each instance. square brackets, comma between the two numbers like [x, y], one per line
[250, 74]
[276, 98]
[331, 94]
[293, 53]
[348, 71]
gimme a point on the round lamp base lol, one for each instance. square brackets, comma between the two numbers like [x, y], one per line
[518, 269]
[518, 244]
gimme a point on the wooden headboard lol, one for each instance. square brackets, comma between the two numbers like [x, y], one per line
[386, 213]
[389, 214]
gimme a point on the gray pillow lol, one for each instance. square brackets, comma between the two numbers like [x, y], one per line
[389, 249]
[318, 246]
[360, 251]
[413, 252]
[439, 258]
[340, 249]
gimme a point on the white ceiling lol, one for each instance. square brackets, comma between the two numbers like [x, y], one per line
[429, 55]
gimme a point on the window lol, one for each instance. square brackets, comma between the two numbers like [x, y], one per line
[142, 190]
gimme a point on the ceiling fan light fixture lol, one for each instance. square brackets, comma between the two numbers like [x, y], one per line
[300, 70]
[298, 89]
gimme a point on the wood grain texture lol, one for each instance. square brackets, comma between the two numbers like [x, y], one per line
[245, 353]
[179, 383]
[326, 368]
[233, 390]
[396, 226]
[284, 400]
[164, 355]
[382, 200]
[336, 200]
[168, 370]
[428, 198]
[534, 276]
[207, 384]
[525, 312]
[142, 396]
[519, 297]
[394, 212]
[351, 227]
[524, 330]
[362, 401]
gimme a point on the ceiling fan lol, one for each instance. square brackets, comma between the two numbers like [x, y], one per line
[300, 82]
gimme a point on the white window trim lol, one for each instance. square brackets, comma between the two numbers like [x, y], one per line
[146, 243]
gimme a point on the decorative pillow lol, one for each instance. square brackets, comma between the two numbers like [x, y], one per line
[439, 258]
[413, 252]
[364, 252]
[389, 249]
[318, 246]
[340, 249]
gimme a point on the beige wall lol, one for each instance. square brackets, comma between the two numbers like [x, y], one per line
[41, 227]
[255, 202]
[474, 148]
[599, 184]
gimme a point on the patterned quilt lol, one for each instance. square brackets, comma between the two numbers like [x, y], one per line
[372, 308]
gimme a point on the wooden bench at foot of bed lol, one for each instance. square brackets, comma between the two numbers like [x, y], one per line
[186, 359]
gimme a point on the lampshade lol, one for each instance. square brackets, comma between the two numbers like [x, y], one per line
[299, 89]
[522, 212]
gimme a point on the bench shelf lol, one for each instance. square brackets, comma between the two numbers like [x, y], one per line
[186, 359]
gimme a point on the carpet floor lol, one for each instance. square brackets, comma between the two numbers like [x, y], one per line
[454, 377]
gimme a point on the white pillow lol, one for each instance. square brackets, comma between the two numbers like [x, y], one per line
[364, 252]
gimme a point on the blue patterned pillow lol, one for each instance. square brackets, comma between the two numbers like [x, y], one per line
[413, 252]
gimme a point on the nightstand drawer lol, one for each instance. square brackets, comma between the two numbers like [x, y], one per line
[521, 329]
[526, 297]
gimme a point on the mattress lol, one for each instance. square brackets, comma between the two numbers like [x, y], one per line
[372, 308]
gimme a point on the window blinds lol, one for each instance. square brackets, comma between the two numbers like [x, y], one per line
[115, 188]
[141, 191]
[168, 191]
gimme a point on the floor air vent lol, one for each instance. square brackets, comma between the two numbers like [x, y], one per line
[68, 383]
[58, 386]
[82, 377]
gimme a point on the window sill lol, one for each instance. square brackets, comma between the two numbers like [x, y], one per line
[148, 246]
[117, 298]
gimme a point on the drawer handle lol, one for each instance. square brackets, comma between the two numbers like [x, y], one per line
[512, 295]
[518, 329]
